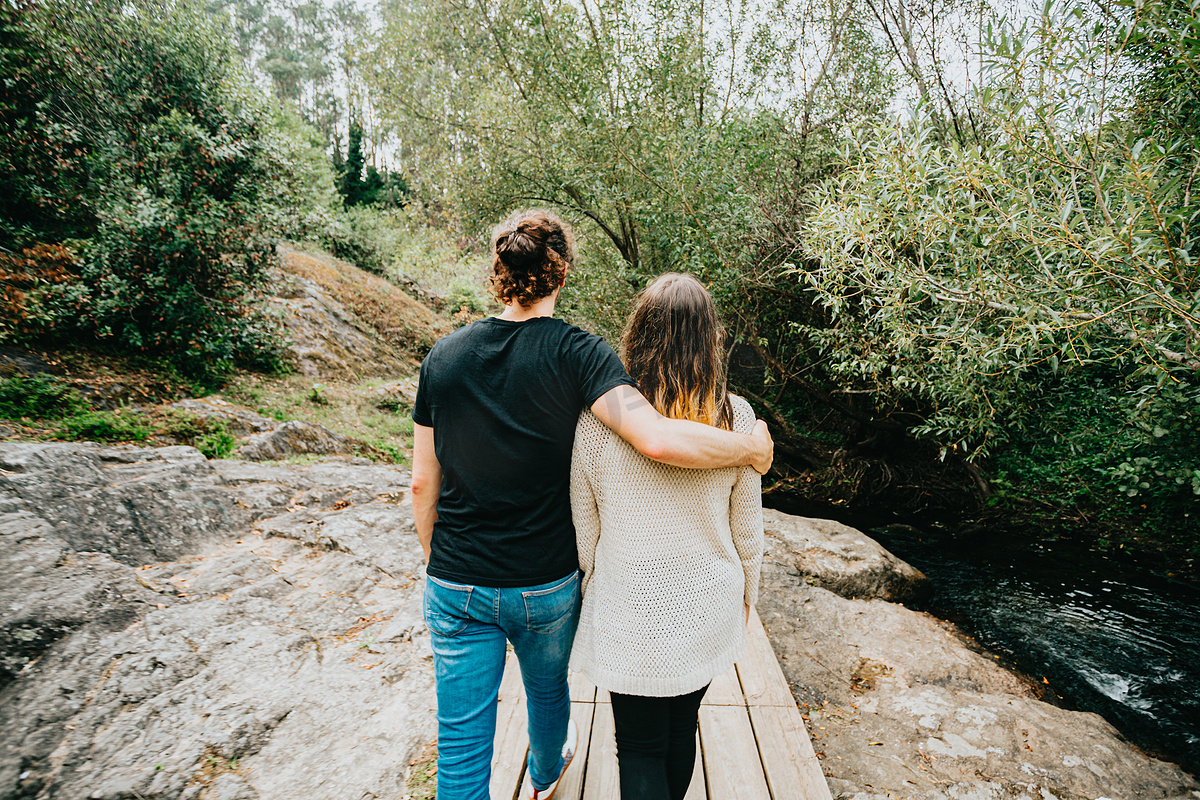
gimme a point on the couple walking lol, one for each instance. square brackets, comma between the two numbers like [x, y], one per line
[580, 537]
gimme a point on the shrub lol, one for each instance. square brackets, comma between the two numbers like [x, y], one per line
[39, 397]
[218, 443]
[105, 426]
[133, 134]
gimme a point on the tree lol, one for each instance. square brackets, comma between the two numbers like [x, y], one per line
[1062, 245]
[161, 157]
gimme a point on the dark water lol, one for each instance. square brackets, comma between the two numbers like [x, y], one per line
[1109, 639]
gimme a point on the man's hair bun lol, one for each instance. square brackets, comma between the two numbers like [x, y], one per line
[531, 253]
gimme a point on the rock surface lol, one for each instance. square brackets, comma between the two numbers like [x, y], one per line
[295, 438]
[899, 706]
[172, 627]
[834, 556]
[329, 340]
[177, 653]
[238, 420]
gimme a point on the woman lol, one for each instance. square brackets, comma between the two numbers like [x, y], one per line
[671, 556]
[494, 423]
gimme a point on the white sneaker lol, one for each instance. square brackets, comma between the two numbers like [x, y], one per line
[568, 753]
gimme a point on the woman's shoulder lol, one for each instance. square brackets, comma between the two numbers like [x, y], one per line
[589, 429]
[743, 415]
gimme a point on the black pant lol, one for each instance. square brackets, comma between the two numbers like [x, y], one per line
[656, 744]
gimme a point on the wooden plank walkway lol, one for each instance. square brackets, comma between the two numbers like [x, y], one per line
[753, 743]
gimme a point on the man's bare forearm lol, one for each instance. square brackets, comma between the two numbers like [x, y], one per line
[424, 515]
[681, 442]
[700, 446]
[426, 485]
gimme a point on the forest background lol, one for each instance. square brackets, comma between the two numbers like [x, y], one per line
[953, 243]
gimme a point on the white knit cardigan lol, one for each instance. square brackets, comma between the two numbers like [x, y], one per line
[669, 556]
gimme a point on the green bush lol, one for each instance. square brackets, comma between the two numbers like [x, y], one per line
[38, 397]
[105, 426]
[218, 443]
[141, 142]
[367, 237]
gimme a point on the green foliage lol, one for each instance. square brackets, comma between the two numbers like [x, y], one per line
[366, 237]
[39, 397]
[363, 185]
[301, 195]
[307, 51]
[466, 296]
[217, 443]
[121, 425]
[160, 154]
[1086, 446]
[1033, 296]
[648, 122]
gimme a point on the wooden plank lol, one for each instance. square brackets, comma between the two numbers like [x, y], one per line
[697, 789]
[792, 768]
[512, 738]
[582, 689]
[762, 678]
[724, 690]
[571, 785]
[602, 781]
[731, 762]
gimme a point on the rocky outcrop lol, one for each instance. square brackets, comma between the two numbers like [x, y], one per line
[296, 438]
[839, 558]
[325, 340]
[179, 652]
[172, 627]
[345, 323]
[136, 505]
[899, 706]
[238, 420]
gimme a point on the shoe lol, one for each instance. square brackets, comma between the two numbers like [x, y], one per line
[568, 753]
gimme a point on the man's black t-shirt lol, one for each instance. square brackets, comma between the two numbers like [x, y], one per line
[503, 398]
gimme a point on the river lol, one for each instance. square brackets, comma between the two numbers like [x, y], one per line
[1103, 636]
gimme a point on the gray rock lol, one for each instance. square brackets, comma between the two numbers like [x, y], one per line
[381, 533]
[50, 591]
[839, 558]
[397, 395]
[265, 489]
[138, 505]
[228, 786]
[238, 420]
[325, 340]
[899, 706]
[246, 668]
[296, 438]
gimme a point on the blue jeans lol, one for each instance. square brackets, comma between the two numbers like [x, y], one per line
[469, 626]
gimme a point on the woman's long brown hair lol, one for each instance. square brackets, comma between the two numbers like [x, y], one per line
[674, 348]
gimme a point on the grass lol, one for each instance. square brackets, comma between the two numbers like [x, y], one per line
[50, 407]
[395, 316]
[359, 409]
[420, 783]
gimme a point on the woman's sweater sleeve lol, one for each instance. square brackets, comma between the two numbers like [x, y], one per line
[745, 510]
[584, 511]
[746, 525]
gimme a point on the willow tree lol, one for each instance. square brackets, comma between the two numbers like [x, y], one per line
[1052, 261]
[679, 133]
[656, 121]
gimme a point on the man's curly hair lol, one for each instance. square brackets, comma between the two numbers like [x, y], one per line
[531, 252]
